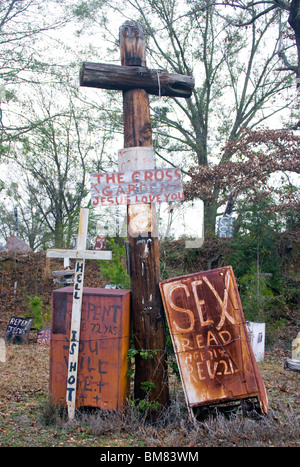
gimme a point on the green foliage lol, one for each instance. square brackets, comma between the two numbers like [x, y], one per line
[145, 354]
[256, 295]
[132, 352]
[41, 317]
[86, 10]
[264, 254]
[172, 364]
[144, 406]
[176, 260]
[256, 240]
[147, 386]
[115, 270]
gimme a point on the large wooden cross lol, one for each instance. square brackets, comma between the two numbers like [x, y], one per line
[80, 254]
[136, 81]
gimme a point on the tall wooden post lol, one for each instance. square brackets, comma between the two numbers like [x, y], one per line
[146, 304]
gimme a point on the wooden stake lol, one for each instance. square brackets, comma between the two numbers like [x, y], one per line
[76, 316]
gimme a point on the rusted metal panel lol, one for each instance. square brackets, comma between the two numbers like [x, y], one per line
[103, 347]
[210, 339]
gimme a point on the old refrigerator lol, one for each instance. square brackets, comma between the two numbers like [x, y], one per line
[103, 347]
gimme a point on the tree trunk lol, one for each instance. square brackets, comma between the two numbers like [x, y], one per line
[210, 215]
[294, 21]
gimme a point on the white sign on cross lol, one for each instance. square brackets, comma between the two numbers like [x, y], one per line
[80, 254]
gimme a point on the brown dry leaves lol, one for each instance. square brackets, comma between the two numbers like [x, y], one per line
[247, 165]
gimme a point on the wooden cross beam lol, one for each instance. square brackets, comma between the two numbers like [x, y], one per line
[80, 254]
[136, 81]
[123, 78]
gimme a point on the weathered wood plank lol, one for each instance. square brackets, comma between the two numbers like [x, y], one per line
[65, 272]
[64, 281]
[292, 364]
[83, 254]
[122, 78]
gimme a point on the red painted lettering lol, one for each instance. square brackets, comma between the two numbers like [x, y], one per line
[148, 175]
[169, 174]
[159, 175]
[120, 176]
[131, 188]
[110, 178]
[106, 191]
[178, 175]
[120, 190]
[98, 177]
[136, 176]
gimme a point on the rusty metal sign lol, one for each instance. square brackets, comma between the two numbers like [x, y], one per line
[210, 339]
[103, 347]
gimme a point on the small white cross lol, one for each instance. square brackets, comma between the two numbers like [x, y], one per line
[81, 254]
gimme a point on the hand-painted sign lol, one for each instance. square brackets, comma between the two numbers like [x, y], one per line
[100, 243]
[139, 186]
[226, 227]
[103, 347]
[43, 336]
[18, 329]
[210, 339]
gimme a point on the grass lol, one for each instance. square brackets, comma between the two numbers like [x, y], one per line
[27, 417]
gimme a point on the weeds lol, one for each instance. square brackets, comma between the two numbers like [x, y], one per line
[27, 418]
[53, 414]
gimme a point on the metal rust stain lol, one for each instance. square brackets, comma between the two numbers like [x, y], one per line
[103, 347]
[210, 339]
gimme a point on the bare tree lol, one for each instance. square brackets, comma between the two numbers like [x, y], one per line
[22, 24]
[238, 75]
[56, 154]
[246, 13]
